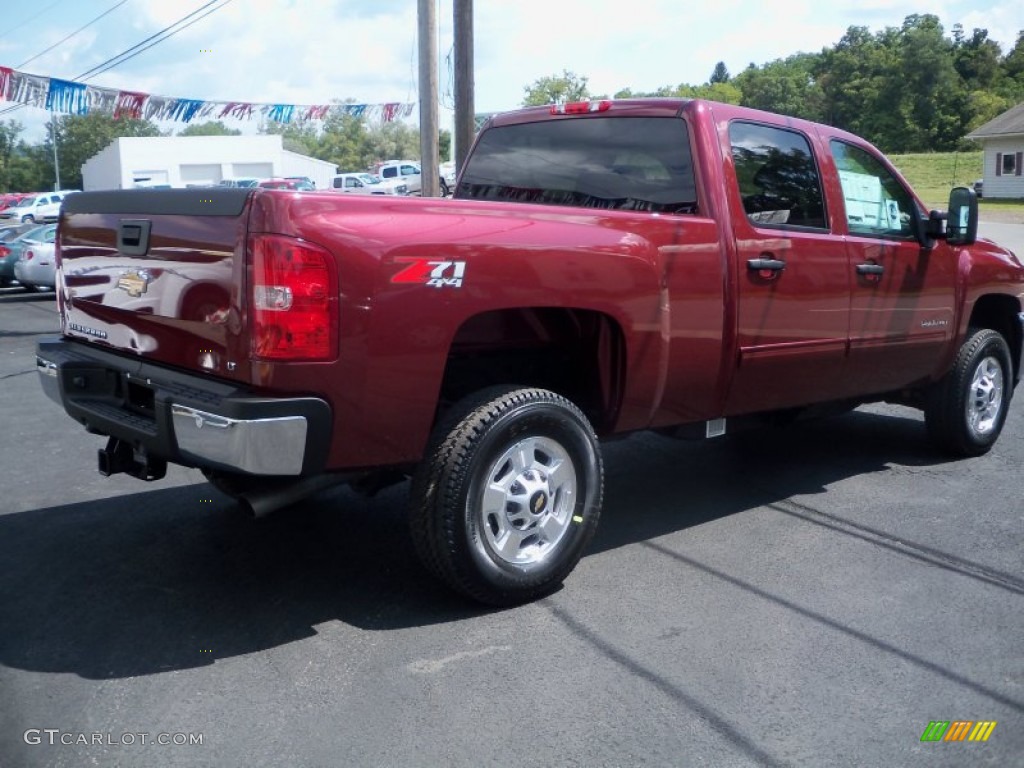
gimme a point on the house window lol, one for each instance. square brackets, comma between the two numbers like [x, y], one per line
[1009, 163]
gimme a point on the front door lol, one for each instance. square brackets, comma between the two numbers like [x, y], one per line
[902, 315]
[792, 272]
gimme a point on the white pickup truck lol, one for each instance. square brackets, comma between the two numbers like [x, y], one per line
[367, 184]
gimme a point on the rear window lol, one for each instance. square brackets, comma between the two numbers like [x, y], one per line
[618, 163]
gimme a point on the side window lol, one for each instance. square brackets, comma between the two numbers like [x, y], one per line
[350, 183]
[389, 173]
[1008, 164]
[778, 179]
[408, 170]
[876, 203]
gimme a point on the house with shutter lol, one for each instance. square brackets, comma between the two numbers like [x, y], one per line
[1002, 140]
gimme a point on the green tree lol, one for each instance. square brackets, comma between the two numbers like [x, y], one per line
[28, 170]
[344, 142]
[786, 86]
[392, 141]
[977, 59]
[301, 136]
[556, 89]
[9, 133]
[209, 128]
[79, 137]
[858, 81]
[444, 144]
[935, 101]
[720, 75]
[1013, 70]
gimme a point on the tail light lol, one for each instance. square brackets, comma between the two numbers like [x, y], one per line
[28, 255]
[581, 107]
[294, 300]
[4, 251]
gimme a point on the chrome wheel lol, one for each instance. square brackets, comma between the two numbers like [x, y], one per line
[528, 503]
[985, 398]
[509, 494]
[966, 409]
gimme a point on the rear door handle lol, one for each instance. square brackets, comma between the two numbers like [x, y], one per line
[870, 269]
[772, 265]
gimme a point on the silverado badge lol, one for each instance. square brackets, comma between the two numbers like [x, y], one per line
[134, 281]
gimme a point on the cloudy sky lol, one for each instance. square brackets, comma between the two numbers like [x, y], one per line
[313, 51]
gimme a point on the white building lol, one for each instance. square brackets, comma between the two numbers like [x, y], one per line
[1002, 140]
[181, 161]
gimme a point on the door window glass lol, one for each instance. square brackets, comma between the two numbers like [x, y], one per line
[777, 177]
[876, 203]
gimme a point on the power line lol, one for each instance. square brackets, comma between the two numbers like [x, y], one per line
[68, 37]
[112, 62]
[123, 56]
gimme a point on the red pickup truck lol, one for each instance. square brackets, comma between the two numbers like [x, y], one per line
[667, 264]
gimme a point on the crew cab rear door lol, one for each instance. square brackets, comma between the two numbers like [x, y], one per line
[792, 274]
[903, 304]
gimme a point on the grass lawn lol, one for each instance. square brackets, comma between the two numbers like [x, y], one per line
[933, 174]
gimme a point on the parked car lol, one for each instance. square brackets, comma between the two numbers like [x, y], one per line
[10, 230]
[245, 182]
[979, 187]
[11, 199]
[448, 174]
[312, 184]
[299, 185]
[39, 208]
[10, 252]
[367, 184]
[37, 267]
[402, 170]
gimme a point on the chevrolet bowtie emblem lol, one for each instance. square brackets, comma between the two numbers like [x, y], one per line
[134, 281]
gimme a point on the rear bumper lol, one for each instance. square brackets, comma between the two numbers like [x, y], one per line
[183, 418]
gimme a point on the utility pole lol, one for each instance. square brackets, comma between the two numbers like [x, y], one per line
[56, 165]
[430, 179]
[465, 126]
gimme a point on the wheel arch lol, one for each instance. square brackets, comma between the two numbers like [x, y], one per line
[1000, 313]
[577, 353]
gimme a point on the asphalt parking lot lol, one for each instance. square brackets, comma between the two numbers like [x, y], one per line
[809, 596]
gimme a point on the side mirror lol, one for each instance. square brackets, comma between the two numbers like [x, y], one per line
[962, 220]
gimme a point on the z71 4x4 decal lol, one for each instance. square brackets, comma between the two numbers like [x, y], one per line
[437, 273]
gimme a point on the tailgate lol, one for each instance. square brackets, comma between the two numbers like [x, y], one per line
[159, 274]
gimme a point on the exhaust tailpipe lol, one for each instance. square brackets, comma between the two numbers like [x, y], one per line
[261, 502]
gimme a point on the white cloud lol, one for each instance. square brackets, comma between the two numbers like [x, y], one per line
[312, 51]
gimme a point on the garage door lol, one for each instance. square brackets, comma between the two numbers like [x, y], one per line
[206, 173]
[253, 170]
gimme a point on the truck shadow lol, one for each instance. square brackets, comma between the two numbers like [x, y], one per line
[176, 578]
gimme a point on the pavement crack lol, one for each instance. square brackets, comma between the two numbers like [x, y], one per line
[19, 373]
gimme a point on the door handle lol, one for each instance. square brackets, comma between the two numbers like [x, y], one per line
[771, 265]
[870, 269]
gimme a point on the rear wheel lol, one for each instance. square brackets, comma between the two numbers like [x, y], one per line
[508, 496]
[965, 411]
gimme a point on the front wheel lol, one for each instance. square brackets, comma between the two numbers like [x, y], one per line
[508, 496]
[965, 411]
[28, 219]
